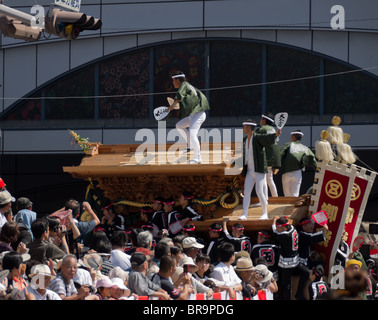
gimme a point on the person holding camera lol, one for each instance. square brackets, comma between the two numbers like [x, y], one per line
[64, 285]
[41, 249]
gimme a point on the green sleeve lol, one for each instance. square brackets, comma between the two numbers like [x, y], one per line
[263, 138]
[309, 159]
[284, 148]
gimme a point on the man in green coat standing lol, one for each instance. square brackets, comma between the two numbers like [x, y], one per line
[192, 106]
[294, 157]
[273, 156]
[255, 165]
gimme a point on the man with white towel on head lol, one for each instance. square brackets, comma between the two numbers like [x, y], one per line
[255, 165]
[294, 157]
[192, 106]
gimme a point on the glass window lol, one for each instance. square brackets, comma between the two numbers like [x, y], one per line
[235, 64]
[26, 110]
[188, 57]
[230, 73]
[125, 77]
[77, 84]
[348, 93]
[294, 97]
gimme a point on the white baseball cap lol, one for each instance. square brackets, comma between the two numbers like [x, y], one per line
[191, 242]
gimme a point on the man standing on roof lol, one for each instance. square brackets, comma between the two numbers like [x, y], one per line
[273, 157]
[192, 106]
[294, 157]
[255, 165]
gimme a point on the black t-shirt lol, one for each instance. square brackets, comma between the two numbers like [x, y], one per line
[306, 240]
[288, 241]
[166, 285]
[159, 219]
[189, 212]
[269, 251]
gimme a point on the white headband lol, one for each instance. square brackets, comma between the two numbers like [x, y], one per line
[297, 132]
[249, 124]
[266, 117]
[178, 76]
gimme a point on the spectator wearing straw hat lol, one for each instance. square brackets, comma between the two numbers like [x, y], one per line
[244, 269]
[41, 276]
[294, 158]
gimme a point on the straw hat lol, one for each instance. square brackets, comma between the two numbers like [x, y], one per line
[41, 269]
[244, 264]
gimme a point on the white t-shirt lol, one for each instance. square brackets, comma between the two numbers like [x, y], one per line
[3, 220]
[226, 275]
[120, 259]
[49, 295]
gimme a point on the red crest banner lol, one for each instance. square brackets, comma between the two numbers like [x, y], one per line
[363, 183]
[331, 193]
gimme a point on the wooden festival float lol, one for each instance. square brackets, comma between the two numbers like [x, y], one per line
[341, 188]
[131, 185]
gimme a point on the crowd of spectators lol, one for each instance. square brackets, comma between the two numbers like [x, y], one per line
[60, 257]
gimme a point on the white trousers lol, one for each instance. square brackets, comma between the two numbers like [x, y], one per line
[291, 183]
[252, 179]
[193, 122]
[271, 184]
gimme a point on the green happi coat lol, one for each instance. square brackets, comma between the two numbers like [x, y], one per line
[273, 155]
[191, 100]
[295, 156]
[260, 141]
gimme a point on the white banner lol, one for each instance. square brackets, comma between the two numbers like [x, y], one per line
[69, 4]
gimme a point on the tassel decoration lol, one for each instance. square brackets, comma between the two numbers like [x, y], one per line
[323, 150]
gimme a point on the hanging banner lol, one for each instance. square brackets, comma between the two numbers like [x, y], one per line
[363, 183]
[73, 5]
[331, 193]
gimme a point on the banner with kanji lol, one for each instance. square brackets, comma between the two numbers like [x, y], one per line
[332, 191]
[363, 183]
